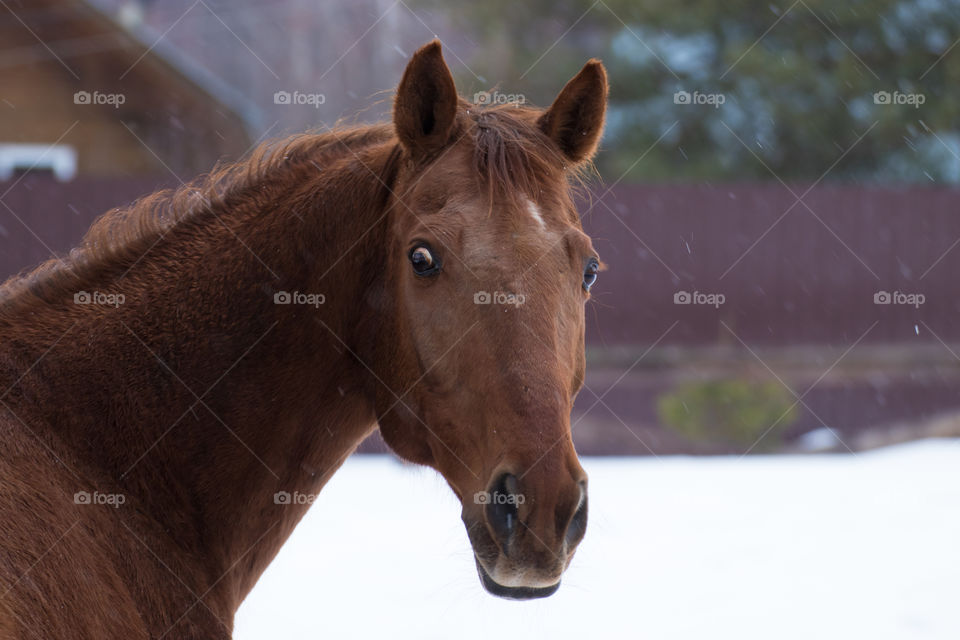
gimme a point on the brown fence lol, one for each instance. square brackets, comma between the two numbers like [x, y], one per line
[40, 216]
[803, 273]
[791, 272]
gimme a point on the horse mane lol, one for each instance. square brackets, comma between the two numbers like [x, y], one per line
[512, 156]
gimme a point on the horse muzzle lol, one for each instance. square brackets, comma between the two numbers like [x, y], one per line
[523, 544]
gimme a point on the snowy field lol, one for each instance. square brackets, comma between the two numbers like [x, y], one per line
[763, 547]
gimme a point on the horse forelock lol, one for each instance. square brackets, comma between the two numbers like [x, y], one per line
[513, 156]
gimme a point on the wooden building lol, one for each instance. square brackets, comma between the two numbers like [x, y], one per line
[110, 88]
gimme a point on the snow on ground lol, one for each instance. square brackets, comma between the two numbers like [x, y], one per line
[827, 546]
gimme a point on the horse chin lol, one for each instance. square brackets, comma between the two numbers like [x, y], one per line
[513, 593]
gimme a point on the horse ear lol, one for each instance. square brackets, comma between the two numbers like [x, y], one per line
[575, 119]
[426, 104]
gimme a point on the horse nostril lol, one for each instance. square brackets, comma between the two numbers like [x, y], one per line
[501, 509]
[578, 525]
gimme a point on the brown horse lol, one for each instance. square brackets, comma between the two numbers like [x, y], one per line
[208, 357]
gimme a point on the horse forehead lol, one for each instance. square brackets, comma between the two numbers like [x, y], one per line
[533, 225]
[524, 235]
[534, 210]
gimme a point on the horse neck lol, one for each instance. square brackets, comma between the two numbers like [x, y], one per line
[199, 398]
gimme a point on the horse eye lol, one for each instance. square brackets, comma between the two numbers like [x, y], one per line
[590, 274]
[423, 261]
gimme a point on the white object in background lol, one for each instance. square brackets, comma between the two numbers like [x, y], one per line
[821, 439]
[61, 159]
